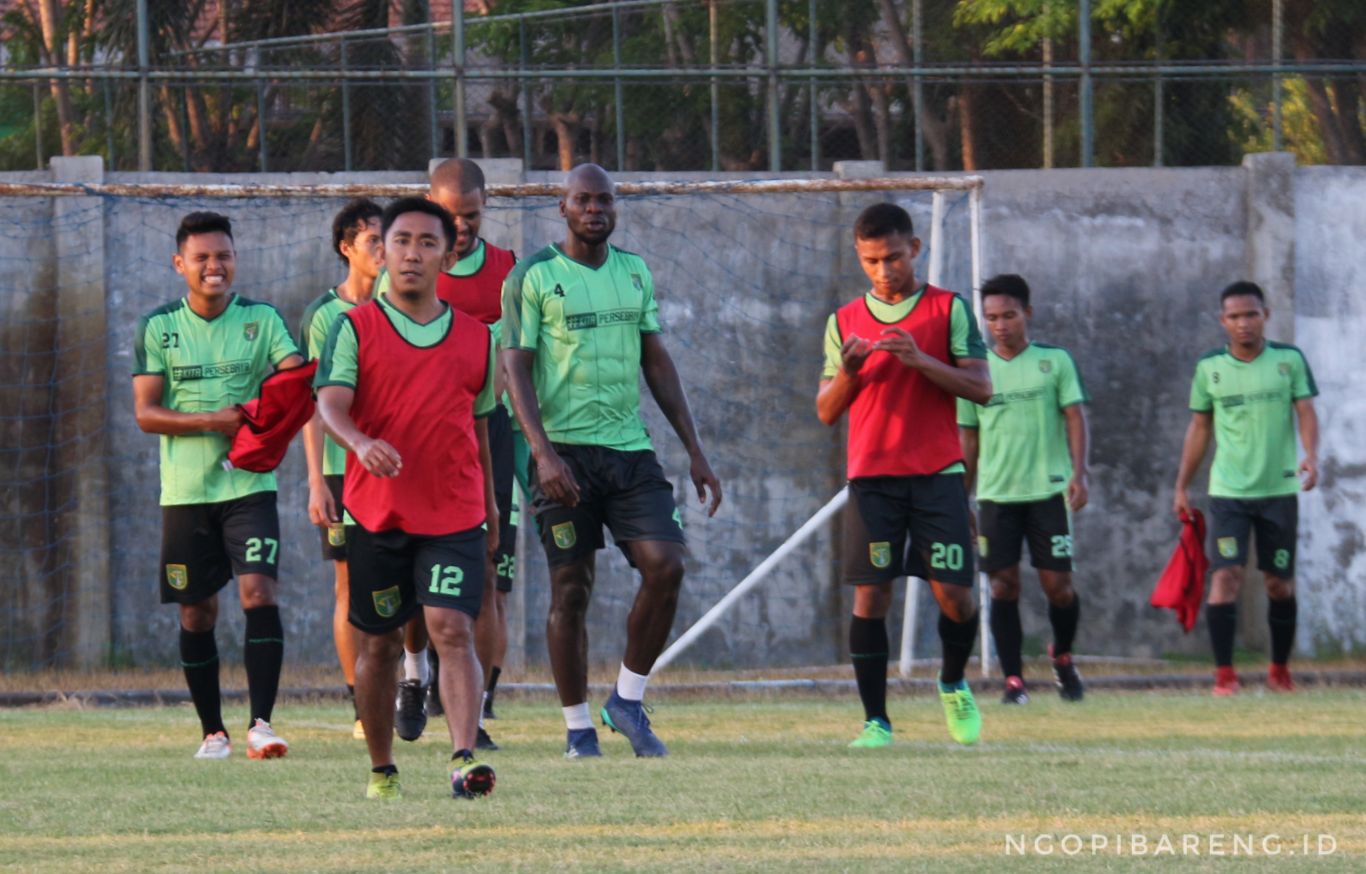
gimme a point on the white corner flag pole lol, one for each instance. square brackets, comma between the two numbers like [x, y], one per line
[756, 576]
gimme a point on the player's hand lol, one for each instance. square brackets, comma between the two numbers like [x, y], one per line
[1309, 474]
[378, 457]
[705, 480]
[902, 345]
[491, 534]
[226, 421]
[322, 509]
[853, 353]
[1077, 492]
[1181, 504]
[556, 479]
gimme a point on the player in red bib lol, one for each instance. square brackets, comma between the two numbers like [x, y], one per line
[897, 359]
[404, 384]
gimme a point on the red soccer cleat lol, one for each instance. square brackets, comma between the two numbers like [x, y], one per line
[1225, 682]
[1278, 679]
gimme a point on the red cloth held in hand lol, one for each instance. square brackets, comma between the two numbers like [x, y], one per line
[1182, 585]
[272, 420]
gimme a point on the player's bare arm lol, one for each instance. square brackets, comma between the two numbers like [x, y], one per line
[971, 441]
[1193, 451]
[969, 378]
[153, 418]
[378, 457]
[552, 473]
[835, 395]
[662, 378]
[481, 435]
[1308, 419]
[322, 509]
[1078, 444]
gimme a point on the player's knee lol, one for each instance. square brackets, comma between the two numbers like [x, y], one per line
[957, 603]
[1057, 588]
[1005, 585]
[256, 590]
[1279, 588]
[570, 598]
[451, 631]
[198, 618]
[872, 602]
[665, 572]
[1224, 585]
[380, 647]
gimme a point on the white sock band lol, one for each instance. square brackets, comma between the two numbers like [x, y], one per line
[631, 685]
[577, 717]
[415, 667]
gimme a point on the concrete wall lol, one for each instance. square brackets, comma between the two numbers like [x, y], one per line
[1126, 266]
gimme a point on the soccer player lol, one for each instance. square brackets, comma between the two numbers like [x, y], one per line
[896, 358]
[580, 327]
[1249, 395]
[1025, 450]
[356, 240]
[403, 385]
[195, 359]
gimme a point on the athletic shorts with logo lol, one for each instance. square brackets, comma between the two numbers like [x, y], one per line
[1002, 528]
[393, 573]
[205, 545]
[897, 526]
[500, 447]
[626, 491]
[1275, 522]
[334, 535]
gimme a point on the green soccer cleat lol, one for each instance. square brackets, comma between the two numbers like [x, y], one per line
[875, 735]
[470, 779]
[383, 787]
[960, 710]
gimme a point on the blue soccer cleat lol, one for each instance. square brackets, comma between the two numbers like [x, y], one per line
[582, 744]
[629, 719]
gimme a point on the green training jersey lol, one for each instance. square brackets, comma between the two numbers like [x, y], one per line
[1253, 404]
[206, 365]
[1022, 434]
[584, 324]
[313, 331]
[965, 340]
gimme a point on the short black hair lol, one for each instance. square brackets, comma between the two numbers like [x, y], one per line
[1008, 284]
[882, 220]
[1240, 288]
[351, 220]
[202, 223]
[418, 204]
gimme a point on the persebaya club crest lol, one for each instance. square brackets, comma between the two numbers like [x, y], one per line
[387, 601]
[1228, 547]
[1045, 366]
[564, 535]
[637, 282]
[177, 576]
[250, 330]
[880, 554]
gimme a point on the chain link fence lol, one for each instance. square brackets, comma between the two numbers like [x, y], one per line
[732, 85]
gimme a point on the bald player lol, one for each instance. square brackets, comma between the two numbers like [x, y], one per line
[581, 328]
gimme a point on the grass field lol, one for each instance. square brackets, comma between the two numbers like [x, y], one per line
[763, 784]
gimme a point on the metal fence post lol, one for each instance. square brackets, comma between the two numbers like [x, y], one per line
[1088, 131]
[815, 98]
[617, 90]
[347, 157]
[523, 63]
[108, 121]
[713, 28]
[261, 121]
[1158, 97]
[144, 92]
[918, 98]
[38, 126]
[1277, 36]
[185, 126]
[433, 135]
[775, 146]
[462, 141]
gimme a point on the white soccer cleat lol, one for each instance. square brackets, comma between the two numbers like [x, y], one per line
[264, 743]
[215, 746]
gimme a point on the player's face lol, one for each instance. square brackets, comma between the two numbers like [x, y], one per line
[365, 254]
[467, 208]
[415, 251]
[889, 263]
[1244, 318]
[208, 262]
[1007, 320]
[590, 210]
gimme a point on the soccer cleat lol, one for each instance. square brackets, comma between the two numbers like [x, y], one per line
[1015, 693]
[582, 744]
[264, 743]
[1065, 673]
[629, 719]
[383, 787]
[358, 731]
[471, 779]
[215, 746]
[410, 711]
[876, 734]
[1226, 682]
[482, 741]
[960, 710]
[1278, 679]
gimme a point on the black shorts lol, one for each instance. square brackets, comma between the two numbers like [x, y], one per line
[334, 535]
[1276, 521]
[882, 511]
[500, 447]
[393, 572]
[205, 545]
[626, 491]
[1045, 524]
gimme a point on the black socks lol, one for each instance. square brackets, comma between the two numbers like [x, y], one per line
[1064, 622]
[957, 639]
[1222, 620]
[199, 658]
[264, 652]
[1280, 615]
[1006, 633]
[868, 649]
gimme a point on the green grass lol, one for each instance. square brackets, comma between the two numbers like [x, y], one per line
[750, 785]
